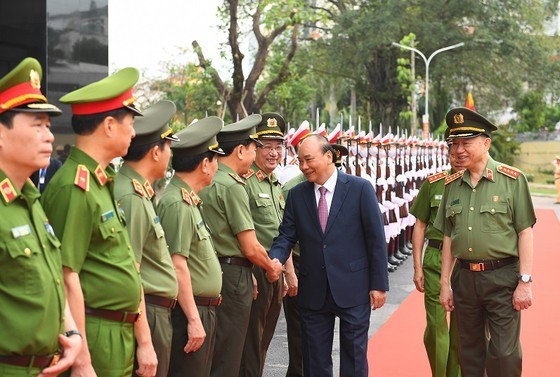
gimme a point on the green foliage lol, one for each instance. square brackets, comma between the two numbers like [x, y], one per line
[534, 114]
[504, 147]
[192, 90]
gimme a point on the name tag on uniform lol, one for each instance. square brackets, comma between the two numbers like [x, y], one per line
[263, 195]
[200, 224]
[20, 231]
[438, 197]
[107, 216]
[156, 220]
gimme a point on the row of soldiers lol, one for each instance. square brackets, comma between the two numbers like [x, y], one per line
[100, 277]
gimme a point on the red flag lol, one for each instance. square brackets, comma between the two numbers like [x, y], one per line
[469, 103]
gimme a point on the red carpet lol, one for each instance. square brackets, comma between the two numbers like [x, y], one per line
[397, 350]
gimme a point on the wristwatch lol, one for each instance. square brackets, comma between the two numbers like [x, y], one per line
[72, 332]
[525, 278]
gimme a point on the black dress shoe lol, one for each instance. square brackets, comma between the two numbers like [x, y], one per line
[400, 255]
[406, 251]
[391, 268]
[408, 245]
[394, 261]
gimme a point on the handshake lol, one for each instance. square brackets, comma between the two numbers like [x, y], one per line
[273, 274]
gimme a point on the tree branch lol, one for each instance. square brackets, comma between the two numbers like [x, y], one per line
[283, 73]
[236, 54]
[205, 64]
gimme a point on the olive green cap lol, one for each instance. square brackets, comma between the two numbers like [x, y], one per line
[272, 126]
[464, 123]
[154, 125]
[242, 130]
[199, 137]
[111, 93]
[20, 90]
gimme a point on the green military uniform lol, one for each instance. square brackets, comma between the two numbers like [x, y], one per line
[291, 309]
[188, 235]
[483, 222]
[84, 214]
[32, 299]
[136, 197]
[31, 290]
[440, 339]
[228, 213]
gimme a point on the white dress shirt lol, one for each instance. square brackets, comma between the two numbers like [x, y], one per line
[330, 185]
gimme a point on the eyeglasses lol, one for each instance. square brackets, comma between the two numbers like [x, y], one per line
[267, 148]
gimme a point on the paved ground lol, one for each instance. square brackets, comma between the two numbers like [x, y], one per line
[401, 285]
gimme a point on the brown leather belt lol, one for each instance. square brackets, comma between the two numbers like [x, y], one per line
[435, 244]
[236, 261]
[113, 315]
[486, 265]
[208, 301]
[161, 301]
[30, 361]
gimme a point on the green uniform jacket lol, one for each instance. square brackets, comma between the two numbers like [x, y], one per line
[287, 187]
[145, 233]
[227, 211]
[484, 221]
[188, 235]
[81, 208]
[427, 202]
[32, 297]
[267, 204]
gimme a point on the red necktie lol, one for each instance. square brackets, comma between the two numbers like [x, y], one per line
[322, 209]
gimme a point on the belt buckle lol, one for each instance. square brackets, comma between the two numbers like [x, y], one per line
[55, 359]
[477, 267]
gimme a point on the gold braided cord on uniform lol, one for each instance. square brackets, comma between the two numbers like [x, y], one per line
[23, 97]
[459, 129]
[212, 147]
[129, 101]
[268, 132]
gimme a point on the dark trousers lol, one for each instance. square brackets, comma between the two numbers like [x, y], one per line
[198, 363]
[264, 316]
[233, 320]
[293, 326]
[159, 321]
[483, 301]
[318, 331]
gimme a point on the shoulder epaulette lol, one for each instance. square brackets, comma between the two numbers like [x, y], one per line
[237, 178]
[82, 177]
[248, 174]
[452, 177]
[8, 191]
[149, 189]
[510, 172]
[436, 177]
[138, 187]
[186, 196]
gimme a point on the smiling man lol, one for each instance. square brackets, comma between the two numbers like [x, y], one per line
[343, 260]
[487, 219]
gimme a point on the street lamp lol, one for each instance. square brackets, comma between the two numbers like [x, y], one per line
[426, 117]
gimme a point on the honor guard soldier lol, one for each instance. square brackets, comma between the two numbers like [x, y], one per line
[34, 312]
[440, 339]
[228, 213]
[100, 274]
[147, 160]
[195, 162]
[267, 208]
[487, 219]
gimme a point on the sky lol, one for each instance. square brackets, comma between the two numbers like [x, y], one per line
[146, 33]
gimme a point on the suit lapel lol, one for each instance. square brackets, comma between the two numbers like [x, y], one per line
[311, 203]
[340, 192]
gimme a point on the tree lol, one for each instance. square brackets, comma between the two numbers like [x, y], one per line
[270, 21]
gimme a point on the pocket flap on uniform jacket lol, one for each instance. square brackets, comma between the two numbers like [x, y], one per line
[359, 264]
[493, 208]
[263, 202]
[453, 210]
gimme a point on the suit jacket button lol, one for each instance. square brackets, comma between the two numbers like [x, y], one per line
[324, 246]
[323, 267]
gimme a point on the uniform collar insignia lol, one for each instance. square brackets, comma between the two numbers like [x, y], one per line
[195, 199]
[100, 175]
[248, 174]
[490, 174]
[138, 187]
[260, 176]
[149, 189]
[186, 196]
[8, 191]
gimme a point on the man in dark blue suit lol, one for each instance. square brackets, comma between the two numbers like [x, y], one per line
[343, 267]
